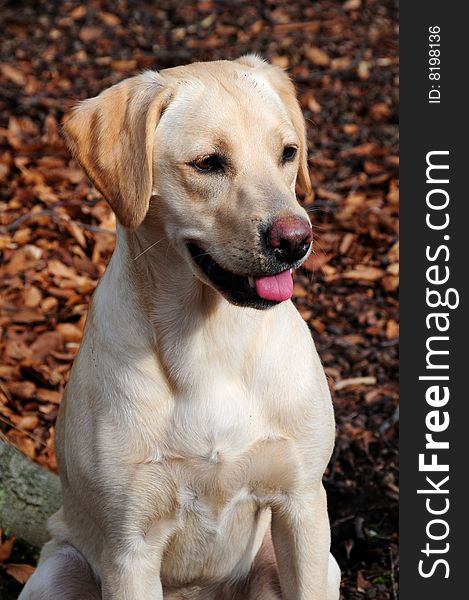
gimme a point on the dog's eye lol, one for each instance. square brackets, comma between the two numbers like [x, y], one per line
[289, 153]
[211, 163]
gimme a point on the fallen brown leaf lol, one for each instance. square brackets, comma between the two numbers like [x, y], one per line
[20, 572]
[352, 381]
[6, 547]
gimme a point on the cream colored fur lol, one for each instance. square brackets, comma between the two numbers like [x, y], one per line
[191, 427]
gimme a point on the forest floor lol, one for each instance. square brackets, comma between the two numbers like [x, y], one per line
[57, 234]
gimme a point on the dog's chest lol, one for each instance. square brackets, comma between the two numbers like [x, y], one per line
[222, 441]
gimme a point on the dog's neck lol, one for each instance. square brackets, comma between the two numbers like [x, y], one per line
[157, 295]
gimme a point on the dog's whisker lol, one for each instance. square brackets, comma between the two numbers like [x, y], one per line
[146, 249]
[167, 249]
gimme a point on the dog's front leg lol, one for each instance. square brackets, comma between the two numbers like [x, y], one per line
[130, 577]
[132, 565]
[301, 538]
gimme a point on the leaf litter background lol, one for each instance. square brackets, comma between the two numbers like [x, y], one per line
[57, 234]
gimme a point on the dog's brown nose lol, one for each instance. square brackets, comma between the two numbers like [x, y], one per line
[289, 237]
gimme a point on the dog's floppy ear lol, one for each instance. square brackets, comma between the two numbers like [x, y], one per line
[111, 135]
[286, 90]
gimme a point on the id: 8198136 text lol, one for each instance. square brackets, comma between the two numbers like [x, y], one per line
[434, 61]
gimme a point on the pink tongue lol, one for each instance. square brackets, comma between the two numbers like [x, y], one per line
[275, 287]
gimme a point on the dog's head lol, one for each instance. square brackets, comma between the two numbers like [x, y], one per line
[213, 151]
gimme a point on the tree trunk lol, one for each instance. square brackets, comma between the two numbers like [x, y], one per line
[29, 495]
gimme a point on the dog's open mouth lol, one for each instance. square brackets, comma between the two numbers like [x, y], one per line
[256, 291]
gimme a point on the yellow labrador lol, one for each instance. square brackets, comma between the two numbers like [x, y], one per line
[197, 421]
